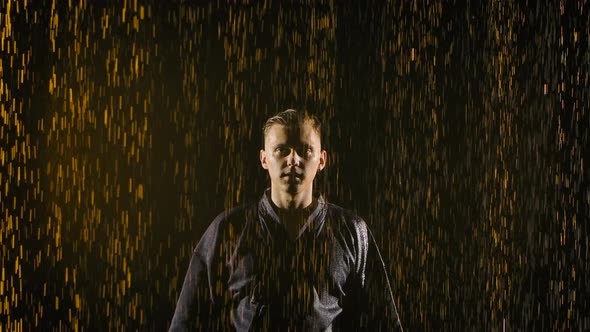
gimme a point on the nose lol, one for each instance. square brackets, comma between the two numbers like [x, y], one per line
[293, 158]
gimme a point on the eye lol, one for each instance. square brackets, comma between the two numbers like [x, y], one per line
[281, 150]
[305, 151]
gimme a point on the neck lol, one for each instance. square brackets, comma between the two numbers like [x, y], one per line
[288, 201]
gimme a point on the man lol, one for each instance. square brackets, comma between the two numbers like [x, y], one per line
[292, 261]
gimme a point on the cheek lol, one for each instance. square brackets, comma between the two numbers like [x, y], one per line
[275, 166]
[313, 165]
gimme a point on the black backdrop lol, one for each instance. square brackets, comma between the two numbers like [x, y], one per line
[459, 131]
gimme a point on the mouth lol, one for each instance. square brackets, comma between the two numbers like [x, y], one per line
[292, 175]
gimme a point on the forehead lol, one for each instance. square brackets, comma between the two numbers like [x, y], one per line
[296, 134]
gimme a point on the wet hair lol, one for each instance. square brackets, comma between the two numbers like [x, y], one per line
[292, 117]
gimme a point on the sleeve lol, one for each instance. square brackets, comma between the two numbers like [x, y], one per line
[377, 309]
[196, 303]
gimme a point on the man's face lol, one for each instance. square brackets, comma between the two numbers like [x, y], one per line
[292, 156]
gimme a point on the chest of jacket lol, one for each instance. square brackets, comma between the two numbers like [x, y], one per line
[275, 282]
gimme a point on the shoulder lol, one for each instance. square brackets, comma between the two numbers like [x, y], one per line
[346, 218]
[353, 234]
[227, 225]
[233, 217]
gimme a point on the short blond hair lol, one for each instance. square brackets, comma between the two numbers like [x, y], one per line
[292, 117]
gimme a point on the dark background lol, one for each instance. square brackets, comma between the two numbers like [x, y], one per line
[459, 131]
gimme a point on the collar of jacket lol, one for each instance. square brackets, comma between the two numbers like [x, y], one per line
[269, 219]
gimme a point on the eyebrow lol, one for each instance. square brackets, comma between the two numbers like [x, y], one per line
[284, 145]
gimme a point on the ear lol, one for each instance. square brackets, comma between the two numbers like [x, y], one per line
[323, 159]
[263, 159]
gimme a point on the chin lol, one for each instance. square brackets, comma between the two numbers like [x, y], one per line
[293, 188]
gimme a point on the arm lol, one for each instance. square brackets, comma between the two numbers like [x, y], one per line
[374, 303]
[184, 315]
[382, 311]
[195, 302]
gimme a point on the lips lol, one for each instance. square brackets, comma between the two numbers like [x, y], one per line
[292, 174]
